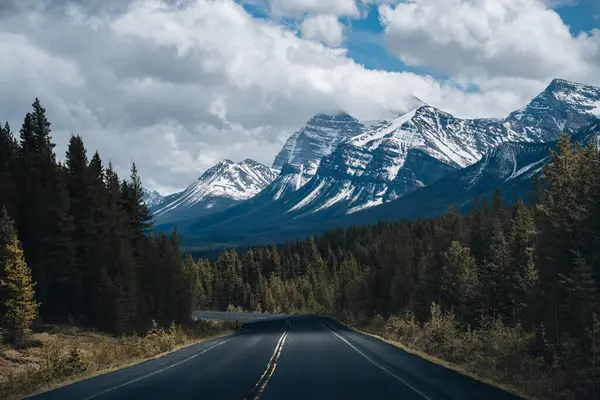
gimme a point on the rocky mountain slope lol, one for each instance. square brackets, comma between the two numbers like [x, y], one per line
[318, 138]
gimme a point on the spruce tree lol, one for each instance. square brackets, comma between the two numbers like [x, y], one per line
[18, 306]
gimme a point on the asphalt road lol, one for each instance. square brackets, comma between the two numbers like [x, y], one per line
[283, 358]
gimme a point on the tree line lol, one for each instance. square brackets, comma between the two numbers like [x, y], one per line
[533, 267]
[76, 242]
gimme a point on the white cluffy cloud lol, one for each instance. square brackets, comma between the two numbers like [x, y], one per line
[178, 86]
[486, 39]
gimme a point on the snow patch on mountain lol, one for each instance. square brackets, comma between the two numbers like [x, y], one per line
[308, 199]
[372, 138]
[596, 109]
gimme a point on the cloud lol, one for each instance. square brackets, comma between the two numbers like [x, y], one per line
[179, 85]
[326, 28]
[560, 3]
[481, 40]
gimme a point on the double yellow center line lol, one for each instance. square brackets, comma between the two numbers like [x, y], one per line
[262, 382]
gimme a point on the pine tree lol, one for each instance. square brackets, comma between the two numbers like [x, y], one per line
[459, 277]
[9, 151]
[66, 288]
[104, 312]
[80, 185]
[193, 287]
[45, 226]
[18, 305]
[137, 211]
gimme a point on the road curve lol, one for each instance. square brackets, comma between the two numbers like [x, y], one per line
[284, 358]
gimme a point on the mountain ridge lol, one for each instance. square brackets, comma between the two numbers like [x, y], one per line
[390, 161]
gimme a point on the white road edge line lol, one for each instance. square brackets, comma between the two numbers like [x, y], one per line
[423, 395]
[105, 391]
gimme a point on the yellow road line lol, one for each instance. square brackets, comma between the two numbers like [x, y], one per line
[262, 382]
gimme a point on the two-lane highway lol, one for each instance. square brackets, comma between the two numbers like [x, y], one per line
[283, 358]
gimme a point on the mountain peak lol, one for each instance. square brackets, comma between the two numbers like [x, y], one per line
[250, 161]
[428, 110]
[339, 116]
[318, 138]
[152, 197]
[563, 104]
[221, 186]
[561, 83]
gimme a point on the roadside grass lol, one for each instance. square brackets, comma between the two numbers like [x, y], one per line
[60, 355]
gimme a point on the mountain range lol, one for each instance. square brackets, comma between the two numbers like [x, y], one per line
[337, 170]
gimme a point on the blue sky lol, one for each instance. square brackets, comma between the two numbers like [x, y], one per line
[365, 40]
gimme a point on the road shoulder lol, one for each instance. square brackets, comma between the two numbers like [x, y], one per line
[435, 360]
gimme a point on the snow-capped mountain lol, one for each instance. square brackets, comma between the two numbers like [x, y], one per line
[425, 144]
[152, 198]
[562, 105]
[410, 152]
[508, 168]
[220, 187]
[398, 161]
[299, 158]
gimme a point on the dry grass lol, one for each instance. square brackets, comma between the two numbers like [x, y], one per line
[61, 354]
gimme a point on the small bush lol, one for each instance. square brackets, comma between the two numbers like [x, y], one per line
[72, 364]
[404, 329]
